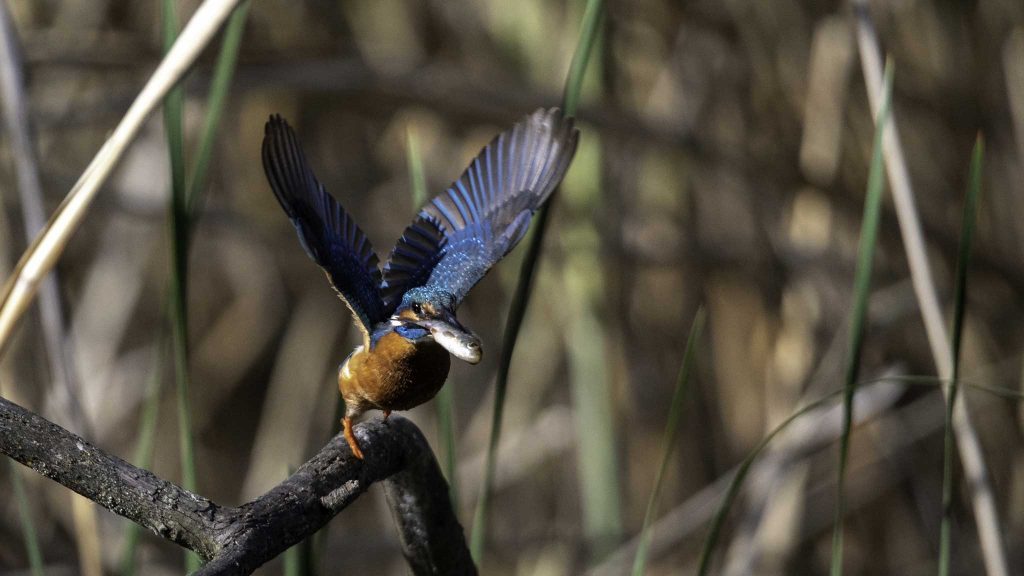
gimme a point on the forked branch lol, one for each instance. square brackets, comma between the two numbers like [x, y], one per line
[238, 540]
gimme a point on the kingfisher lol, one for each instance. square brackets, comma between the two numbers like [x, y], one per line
[406, 310]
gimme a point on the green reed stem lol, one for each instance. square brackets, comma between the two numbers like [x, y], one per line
[959, 309]
[28, 527]
[668, 439]
[143, 455]
[178, 225]
[445, 400]
[183, 200]
[858, 320]
[521, 297]
[220, 88]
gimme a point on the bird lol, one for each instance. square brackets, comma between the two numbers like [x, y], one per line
[405, 310]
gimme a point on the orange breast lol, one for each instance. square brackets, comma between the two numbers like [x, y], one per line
[394, 375]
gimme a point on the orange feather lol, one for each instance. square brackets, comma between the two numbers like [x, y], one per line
[395, 375]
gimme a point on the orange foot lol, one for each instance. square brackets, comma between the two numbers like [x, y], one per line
[386, 414]
[351, 438]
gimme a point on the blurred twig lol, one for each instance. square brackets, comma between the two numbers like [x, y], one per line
[812, 433]
[32, 268]
[16, 124]
[66, 386]
[1013, 66]
[816, 430]
[238, 540]
[447, 89]
[985, 513]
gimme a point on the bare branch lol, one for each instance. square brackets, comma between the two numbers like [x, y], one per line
[238, 540]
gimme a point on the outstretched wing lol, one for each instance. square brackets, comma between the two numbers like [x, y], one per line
[327, 232]
[486, 212]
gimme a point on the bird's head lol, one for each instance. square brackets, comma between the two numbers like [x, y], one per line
[434, 310]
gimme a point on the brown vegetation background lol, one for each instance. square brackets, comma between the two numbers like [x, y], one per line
[723, 161]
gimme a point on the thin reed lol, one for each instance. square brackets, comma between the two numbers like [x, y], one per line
[668, 439]
[858, 314]
[524, 285]
[445, 399]
[181, 220]
[970, 216]
[28, 525]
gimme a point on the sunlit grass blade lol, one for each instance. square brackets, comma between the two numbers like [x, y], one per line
[521, 297]
[592, 15]
[445, 399]
[861, 291]
[299, 560]
[919, 380]
[597, 459]
[959, 308]
[725, 505]
[417, 177]
[291, 561]
[292, 556]
[668, 439]
[28, 527]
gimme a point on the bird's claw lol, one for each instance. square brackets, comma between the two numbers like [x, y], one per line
[351, 438]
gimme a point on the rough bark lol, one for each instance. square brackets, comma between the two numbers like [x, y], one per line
[238, 540]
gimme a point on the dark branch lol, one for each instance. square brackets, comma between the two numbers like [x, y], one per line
[238, 540]
[162, 507]
[397, 453]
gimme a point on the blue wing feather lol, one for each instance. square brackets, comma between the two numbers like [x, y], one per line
[327, 232]
[413, 258]
[487, 211]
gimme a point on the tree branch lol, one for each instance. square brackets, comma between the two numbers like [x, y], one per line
[238, 540]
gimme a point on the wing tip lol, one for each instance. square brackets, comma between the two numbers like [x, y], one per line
[560, 137]
[283, 162]
[276, 126]
[555, 125]
[322, 223]
[556, 122]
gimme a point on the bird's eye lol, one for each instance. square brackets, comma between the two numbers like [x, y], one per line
[416, 308]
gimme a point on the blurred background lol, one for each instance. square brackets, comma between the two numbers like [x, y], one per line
[723, 161]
